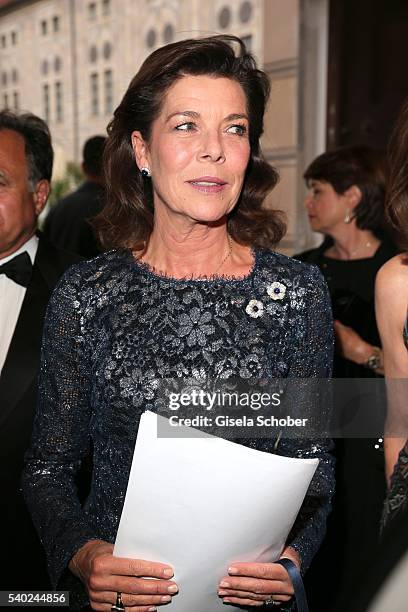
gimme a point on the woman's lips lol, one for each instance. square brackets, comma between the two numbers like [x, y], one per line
[207, 184]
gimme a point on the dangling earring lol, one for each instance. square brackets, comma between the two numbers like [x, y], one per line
[347, 217]
[145, 172]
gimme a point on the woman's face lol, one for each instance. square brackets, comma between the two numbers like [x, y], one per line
[326, 208]
[199, 149]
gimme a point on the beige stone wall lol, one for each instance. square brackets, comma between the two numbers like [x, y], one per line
[280, 141]
[29, 56]
[133, 28]
[125, 27]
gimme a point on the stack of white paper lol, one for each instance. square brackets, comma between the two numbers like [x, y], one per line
[199, 504]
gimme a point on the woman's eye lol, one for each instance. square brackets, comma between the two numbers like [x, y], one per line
[185, 127]
[238, 129]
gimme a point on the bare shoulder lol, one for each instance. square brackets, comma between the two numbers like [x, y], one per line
[393, 276]
[391, 297]
[391, 300]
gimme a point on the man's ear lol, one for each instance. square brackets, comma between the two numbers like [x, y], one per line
[140, 150]
[353, 195]
[41, 193]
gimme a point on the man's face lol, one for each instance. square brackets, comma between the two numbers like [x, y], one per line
[19, 206]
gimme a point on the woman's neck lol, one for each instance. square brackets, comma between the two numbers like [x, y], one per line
[352, 243]
[196, 251]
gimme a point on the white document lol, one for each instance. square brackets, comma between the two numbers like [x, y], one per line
[201, 503]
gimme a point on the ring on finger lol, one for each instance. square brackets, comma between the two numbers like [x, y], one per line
[272, 601]
[118, 607]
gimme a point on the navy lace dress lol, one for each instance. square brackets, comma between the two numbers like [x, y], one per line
[114, 326]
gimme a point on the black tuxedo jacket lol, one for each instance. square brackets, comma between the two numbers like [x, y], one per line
[22, 558]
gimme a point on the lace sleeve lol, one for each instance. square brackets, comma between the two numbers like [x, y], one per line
[313, 358]
[60, 437]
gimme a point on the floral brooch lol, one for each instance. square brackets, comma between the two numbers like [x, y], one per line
[276, 291]
[255, 308]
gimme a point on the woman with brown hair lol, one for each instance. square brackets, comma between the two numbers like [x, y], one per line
[392, 318]
[346, 203]
[191, 285]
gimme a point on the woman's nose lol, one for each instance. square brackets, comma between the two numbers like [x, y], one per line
[212, 147]
[308, 202]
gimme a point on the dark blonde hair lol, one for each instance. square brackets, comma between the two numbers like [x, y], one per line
[397, 193]
[127, 219]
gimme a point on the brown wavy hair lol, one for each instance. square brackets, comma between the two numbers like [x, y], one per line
[128, 216]
[397, 192]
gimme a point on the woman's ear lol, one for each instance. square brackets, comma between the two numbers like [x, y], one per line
[140, 150]
[353, 195]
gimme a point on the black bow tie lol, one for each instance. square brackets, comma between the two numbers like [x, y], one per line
[19, 269]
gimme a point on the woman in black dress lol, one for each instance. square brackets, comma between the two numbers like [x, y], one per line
[346, 204]
[392, 316]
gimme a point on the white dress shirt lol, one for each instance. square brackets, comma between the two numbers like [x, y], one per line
[11, 298]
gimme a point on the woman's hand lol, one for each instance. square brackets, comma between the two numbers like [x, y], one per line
[104, 575]
[251, 584]
[351, 346]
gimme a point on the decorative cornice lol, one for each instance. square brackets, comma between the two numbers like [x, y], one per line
[8, 6]
[284, 154]
[282, 68]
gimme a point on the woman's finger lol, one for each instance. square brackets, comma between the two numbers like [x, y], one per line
[108, 564]
[107, 607]
[266, 571]
[102, 597]
[243, 602]
[228, 593]
[254, 585]
[139, 586]
[242, 594]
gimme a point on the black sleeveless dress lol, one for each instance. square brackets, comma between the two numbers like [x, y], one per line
[340, 564]
[396, 502]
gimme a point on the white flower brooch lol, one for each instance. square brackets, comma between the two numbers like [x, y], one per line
[255, 308]
[276, 291]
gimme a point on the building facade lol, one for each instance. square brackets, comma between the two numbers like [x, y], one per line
[70, 61]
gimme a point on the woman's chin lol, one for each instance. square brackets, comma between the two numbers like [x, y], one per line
[208, 217]
[317, 227]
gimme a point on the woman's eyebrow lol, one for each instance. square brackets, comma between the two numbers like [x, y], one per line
[235, 116]
[195, 115]
[186, 113]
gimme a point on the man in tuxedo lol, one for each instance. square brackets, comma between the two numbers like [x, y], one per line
[29, 269]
